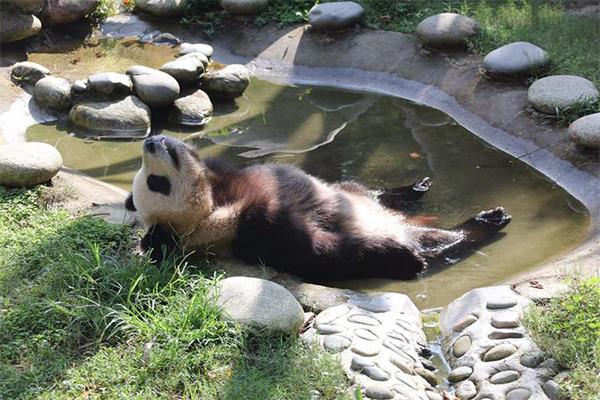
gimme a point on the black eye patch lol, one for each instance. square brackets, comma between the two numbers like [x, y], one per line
[160, 184]
[174, 156]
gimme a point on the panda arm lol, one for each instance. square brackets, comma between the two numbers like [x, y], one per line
[220, 225]
[129, 203]
[159, 242]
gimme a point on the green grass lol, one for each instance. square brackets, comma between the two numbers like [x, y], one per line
[568, 328]
[82, 316]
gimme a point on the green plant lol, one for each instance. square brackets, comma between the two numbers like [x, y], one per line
[105, 9]
[581, 108]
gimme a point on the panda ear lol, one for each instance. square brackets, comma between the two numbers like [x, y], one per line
[129, 203]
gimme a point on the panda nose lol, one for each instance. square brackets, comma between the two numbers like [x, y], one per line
[149, 146]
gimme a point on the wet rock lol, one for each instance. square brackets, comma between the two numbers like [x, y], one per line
[162, 8]
[187, 48]
[15, 26]
[260, 304]
[464, 323]
[504, 377]
[532, 359]
[109, 85]
[336, 343]
[466, 390]
[29, 72]
[507, 319]
[227, 83]
[447, 30]
[515, 59]
[53, 93]
[199, 56]
[154, 87]
[186, 70]
[165, 39]
[378, 390]
[460, 374]
[58, 12]
[586, 131]
[518, 394]
[554, 391]
[28, 164]
[557, 92]
[461, 346]
[244, 7]
[335, 15]
[27, 6]
[499, 352]
[427, 375]
[128, 117]
[501, 303]
[194, 110]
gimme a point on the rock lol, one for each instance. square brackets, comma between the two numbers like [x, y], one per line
[505, 335]
[109, 85]
[260, 304]
[128, 117]
[499, 352]
[507, 319]
[427, 375]
[366, 334]
[460, 374]
[187, 48]
[15, 26]
[165, 39]
[244, 7]
[359, 363]
[227, 83]
[364, 319]
[27, 6]
[199, 56]
[154, 87]
[364, 348]
[376, 373]
[532, 359]
[553, 390]
[433, 395]
[29, 72]
[518, 394]
[402, 364]
[195, 110]
[79, 87]
[515, 59]
[466, 390]
[54, 93]
[59, 12]
[378, 390]
[28, 164]
[447, 30]
[504, 377]
[501, 303]
[586, 131]
[461, 346]
[558, 92]
[335, 15]
[162, 8]
[464, 323]
[336, 343]
[328, 329]
[187, 70]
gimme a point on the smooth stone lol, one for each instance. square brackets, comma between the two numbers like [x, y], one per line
[162, 8]
[504, 377]
[335, 15]
[518, 394]
[128, 117]
[57, 12]
[187, 48]
[165, 39]
[407, 393]
[550, 365]
[461, 346]
[336, 343]
[466, 390]
[465, 323]
[407, 380]
[367, 349]
[553, 390]
[226, 83]
[358, 363]
[366, 334]
[15, 26]
[79, 87]
[314, 395]
[505, 335]
[427, 375]
[501, 303]
[109, 85]
[460, 374]
[515, 59]
[433, 395]
[54, 93]
[558, 92]
[29, 72]
[154, 87]
[586, 131]
[507, 319]
[199, 56]
[28, 164]
[499, 352]
[27, 6]
[376, 373]
[328, 329]
[244, 7]
[187, 71]
[447, 30]
[331, 314]
[402, 364]
[364, 319]
[379, 390]
[260, 304]
[399, 336]
[428, 364]
[532, 359]
[192, 110]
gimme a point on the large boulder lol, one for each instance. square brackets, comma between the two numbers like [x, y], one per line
[59, 12]
[515, 59]
[109, 85]
[195, 109]
[447, 30]
[186, 70]
[336, 15]
[244, 7]
[28, 164]
[198, 56]
[187, 48]
[54, 93]
[162, 8]
[29, 72]
[226, 83]
[15, 26]
[154, 87]
[128, 117]
[260, 305]
[27, 6]
[586, 131]
[557, 92]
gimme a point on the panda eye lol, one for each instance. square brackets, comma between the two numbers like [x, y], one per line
[174, 156]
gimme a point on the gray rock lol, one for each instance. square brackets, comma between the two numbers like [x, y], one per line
[199, 56]
[499, 352]
[464, 323]
[15, 26]
[506, 319]
[154, 87]
[331, 314]
[376, 373]
[109, 85]
[187, 48]
[260, 304]
[128, 117]
[515, 59]
[54, 93]
[364, 319]
[433, 395]
[466, 390]
[379, 390]
[244, 7]
[447, 30]
[554, 391]
[29, 72]
[79, 87]
[27, 6]
[366, 334]
[501, 303]
[518, 394]
[58, 12]
[336, 343]
[532, 359]
[359, 363]
[28, 164]
[505, 335]
[365, 348]
[402, 364]
[195, 109]
[162, 8]
[226, 83]
[460, 374]
[586, 131]
[187, 70]
[328, 329]
[335, 15]
[502, 377]
[461, 346]
[427, 375]
[165, 39]
[558, 92]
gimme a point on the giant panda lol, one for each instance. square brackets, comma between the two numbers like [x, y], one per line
[282, 217]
